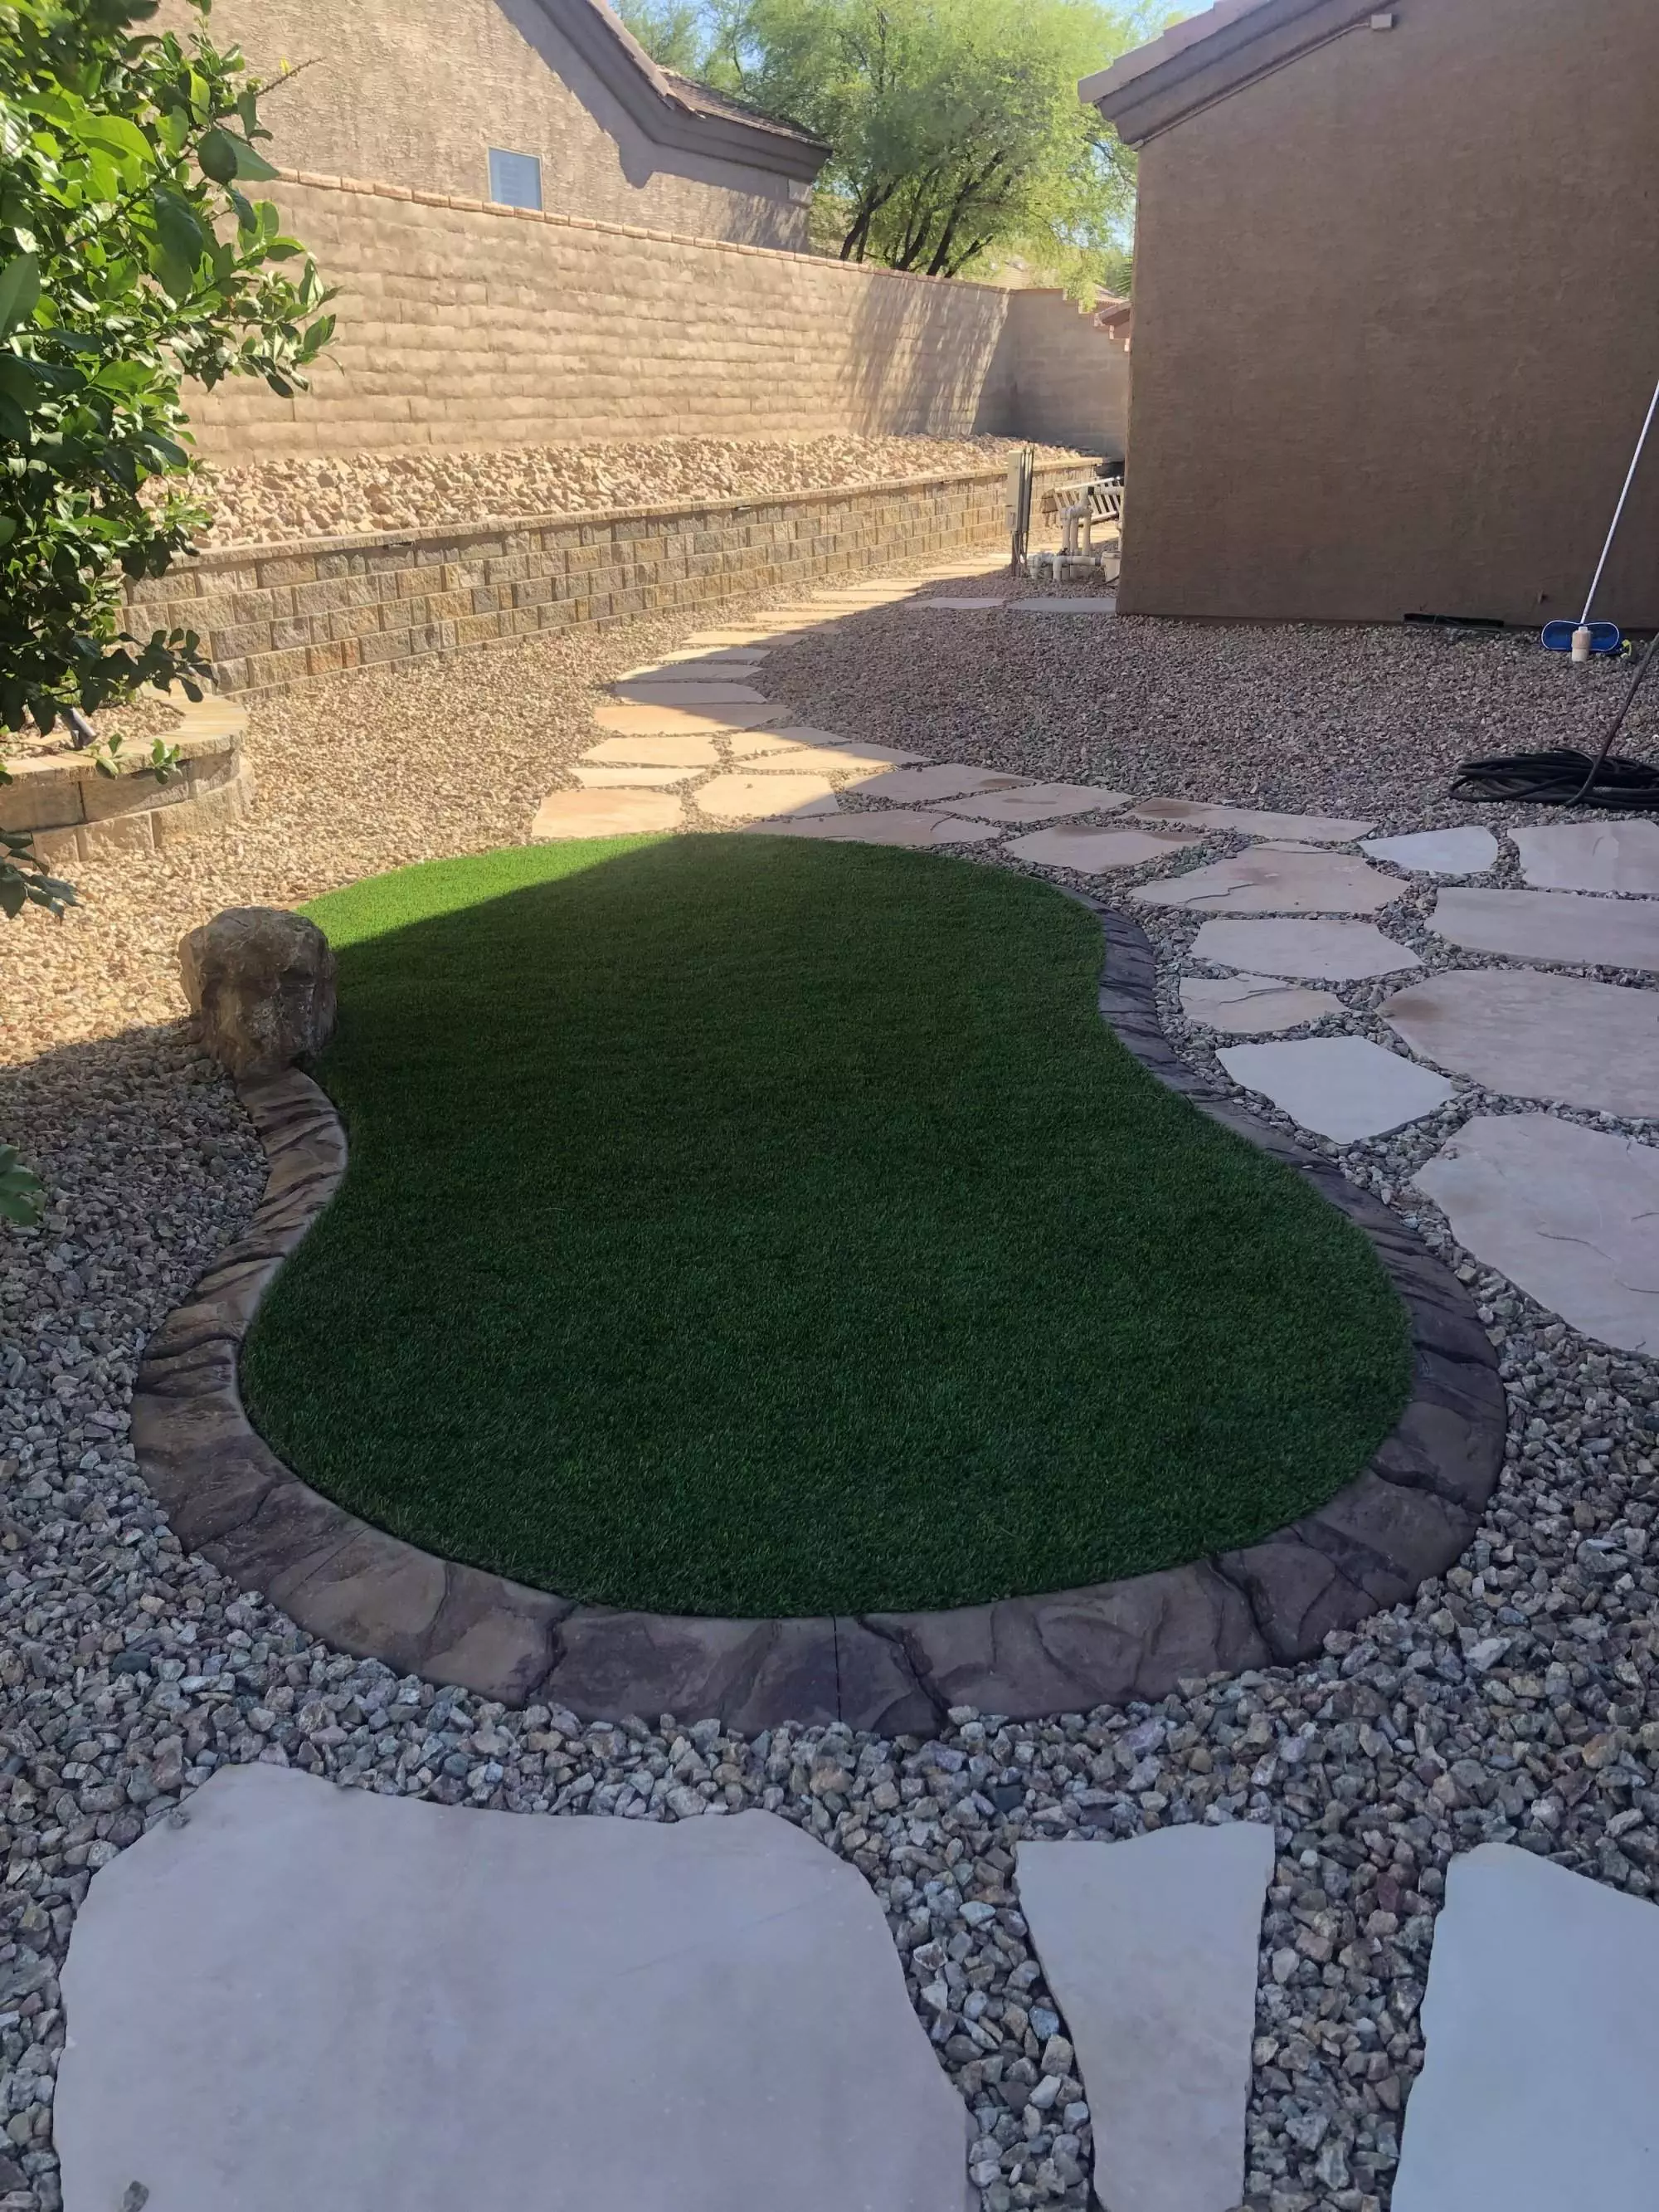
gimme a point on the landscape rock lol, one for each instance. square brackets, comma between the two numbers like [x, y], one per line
[260, 984]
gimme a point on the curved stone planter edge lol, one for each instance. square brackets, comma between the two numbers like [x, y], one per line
[1410, 1515]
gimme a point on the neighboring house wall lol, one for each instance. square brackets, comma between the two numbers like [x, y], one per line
[415, 92]
[1396, 323]
[463, 325]
[1064, 381]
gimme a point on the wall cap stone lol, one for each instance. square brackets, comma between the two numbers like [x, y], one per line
[1409, 1515]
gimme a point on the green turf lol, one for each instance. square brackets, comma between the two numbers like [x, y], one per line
[741, 1225]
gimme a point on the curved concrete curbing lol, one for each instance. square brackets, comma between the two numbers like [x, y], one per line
[1408, 1515]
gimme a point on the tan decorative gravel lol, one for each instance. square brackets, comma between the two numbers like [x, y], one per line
[281, 501]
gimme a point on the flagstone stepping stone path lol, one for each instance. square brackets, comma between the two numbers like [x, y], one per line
[1086, 852]
[304, 1996]
[1541, 2020]
[1345, 1088]
[1564, 927]
[1250, 822]
[1254, 1006]
[1278, 913]
[1150, 1948]
[1528, 1036]
[1279, 880]
[1321, 951]
[1436, 852]
[1571, 1214]
[1597, 855]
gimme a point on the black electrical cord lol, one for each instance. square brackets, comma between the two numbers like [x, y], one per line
[1568, 778]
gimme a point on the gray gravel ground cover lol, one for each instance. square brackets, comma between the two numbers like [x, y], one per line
[1517, 1698]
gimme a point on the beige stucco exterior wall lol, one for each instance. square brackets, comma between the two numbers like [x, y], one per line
[1397, 323]
[1060, 380]
[463, 325]
[415, 92]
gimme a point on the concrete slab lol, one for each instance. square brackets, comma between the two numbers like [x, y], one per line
[1527, 1036]
[1566, 927]
[1542, 2021]
[653, 752]
[962, 606]
[684, 691]
[1090, 852]
[1253, 822]
[605, 814]
[917, 830]
[1603, 855]
[1100, 603]
[1278, 879]
[1253, 1006]
[747, 798]
[1037, 802]
[1150, 1948]
[316, 1997]
[1569, 1214]
[949, 780]
[626, 718]
[1320, 951]
[1343, 1088]
[689, 659]
[1467, 852]
[744, 634]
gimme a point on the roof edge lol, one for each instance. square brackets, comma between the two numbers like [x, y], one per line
[669, 120]
[1207, 57]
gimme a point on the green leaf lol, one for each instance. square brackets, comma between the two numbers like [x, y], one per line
[13, 423]
[182, 237]
[20, 289]
[249, 164]
[117, 136]
[217, 155]
[8, 531]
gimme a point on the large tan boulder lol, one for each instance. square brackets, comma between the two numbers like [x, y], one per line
[260, 983]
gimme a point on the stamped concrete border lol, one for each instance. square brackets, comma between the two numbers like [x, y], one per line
[1408, 1515]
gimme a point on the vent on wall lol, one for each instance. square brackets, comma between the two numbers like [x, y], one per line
[515, 179]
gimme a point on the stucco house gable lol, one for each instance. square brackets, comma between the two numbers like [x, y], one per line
[1396, 308]
[420, 93]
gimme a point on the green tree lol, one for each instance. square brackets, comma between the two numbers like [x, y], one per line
[673, 31]
[132, 259]
[956, 129]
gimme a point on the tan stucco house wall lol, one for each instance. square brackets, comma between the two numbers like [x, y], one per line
[416, 92]
[1396, 308]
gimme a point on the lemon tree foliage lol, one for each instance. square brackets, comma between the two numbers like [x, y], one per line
[133, 255]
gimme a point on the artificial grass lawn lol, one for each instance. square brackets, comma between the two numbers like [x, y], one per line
[741, 1225]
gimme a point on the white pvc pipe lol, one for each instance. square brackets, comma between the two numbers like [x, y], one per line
[1617, 513]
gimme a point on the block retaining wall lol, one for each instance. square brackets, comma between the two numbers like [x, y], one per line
[272, 617]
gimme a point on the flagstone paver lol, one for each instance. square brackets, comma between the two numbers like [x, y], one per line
[1150, 1945]
[605, 813]
[869, 828]
[1068, 845]
[1317, 951]
[1466, 852]
[1253, 1006]
[1601, 856]
[1567, 927]
[751, 745]
[1252, 822]
[1569, 1214]
[1279, 880]
[1542, 2021]
[305, 1996]
[630, 778]
[1037, 802]
[852, 760]
[1532, 1035]
[654, 752]
[627, 719]
[684, 691]
[743, 634]
[949, 780]
[1344, 1088]
[746, 798]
